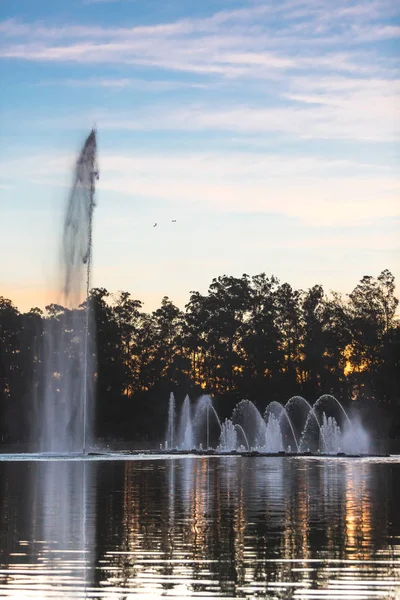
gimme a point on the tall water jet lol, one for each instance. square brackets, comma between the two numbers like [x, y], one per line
[66, 410]
[170, 441]
[185, 432]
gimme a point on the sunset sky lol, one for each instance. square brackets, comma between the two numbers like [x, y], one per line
[269, 130]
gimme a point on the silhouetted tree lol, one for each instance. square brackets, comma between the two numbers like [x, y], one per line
[250, 337]
[261, 353]
[10, 324]
[372, 312]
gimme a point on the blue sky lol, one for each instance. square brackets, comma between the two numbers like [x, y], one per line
[269, 130]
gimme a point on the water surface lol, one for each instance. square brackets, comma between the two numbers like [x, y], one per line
[233, 527]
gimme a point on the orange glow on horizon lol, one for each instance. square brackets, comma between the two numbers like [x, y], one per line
[30, 295]
[25, 297]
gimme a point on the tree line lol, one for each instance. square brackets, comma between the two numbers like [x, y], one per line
[247, 337]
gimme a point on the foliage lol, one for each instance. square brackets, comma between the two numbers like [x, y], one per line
[250, 337]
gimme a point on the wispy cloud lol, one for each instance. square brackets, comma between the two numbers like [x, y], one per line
[313, 190]
[249, 42]
[312, 201]
[313, 110]
[304, 87]
[359, 239]
[124, 83]
[286, 52]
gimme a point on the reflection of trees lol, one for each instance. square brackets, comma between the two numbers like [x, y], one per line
[47, 524]
[233, 525]
[14, 523]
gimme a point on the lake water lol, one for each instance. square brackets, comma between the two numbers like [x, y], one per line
[233, 527]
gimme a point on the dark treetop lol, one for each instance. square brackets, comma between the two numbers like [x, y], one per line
[248, 337]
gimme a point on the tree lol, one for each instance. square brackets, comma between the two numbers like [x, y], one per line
[227, 303]
[260, 339]
[110, 370]
[248, 337]
[288, 320]
[10, 325]
[313, 345]
[127, 316]
[372, 309]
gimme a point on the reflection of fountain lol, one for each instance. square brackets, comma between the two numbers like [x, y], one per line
[62, 521]
[279, 429]
[66, 412]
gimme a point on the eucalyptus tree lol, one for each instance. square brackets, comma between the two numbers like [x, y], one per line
[337, 338]
[260, 338]
[147, 371]
[313, 342]
[159, 345]
[288, 321]
[194, 337]
[10, 325]
[127, 315]
[373, 315]
[110, 369]
[229, 302]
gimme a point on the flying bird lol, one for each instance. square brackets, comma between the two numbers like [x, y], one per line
[155, 225]
[174, 220]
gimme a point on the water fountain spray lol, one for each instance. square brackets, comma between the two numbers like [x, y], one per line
[269, 434]
[65, 422]
[86, 175]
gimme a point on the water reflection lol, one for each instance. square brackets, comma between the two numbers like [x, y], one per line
[49, 532]
[227, 526]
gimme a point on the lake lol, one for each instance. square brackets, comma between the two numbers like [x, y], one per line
[232, 527]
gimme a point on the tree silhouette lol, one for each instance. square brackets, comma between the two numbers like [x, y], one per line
[247, 337]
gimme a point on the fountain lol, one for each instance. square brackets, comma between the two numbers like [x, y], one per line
[185, 430]
[247, 415]
[273, 436]
[65, 413]
[275, 432]
[170, 441]
[228, 440]
[351, 436]
[204, 414]
[282, 411]
[331, 435]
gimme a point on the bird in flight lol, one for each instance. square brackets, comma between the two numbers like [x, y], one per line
[155, 225]
[174, 220]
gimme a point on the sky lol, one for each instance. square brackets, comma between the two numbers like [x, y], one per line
[270, 131]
